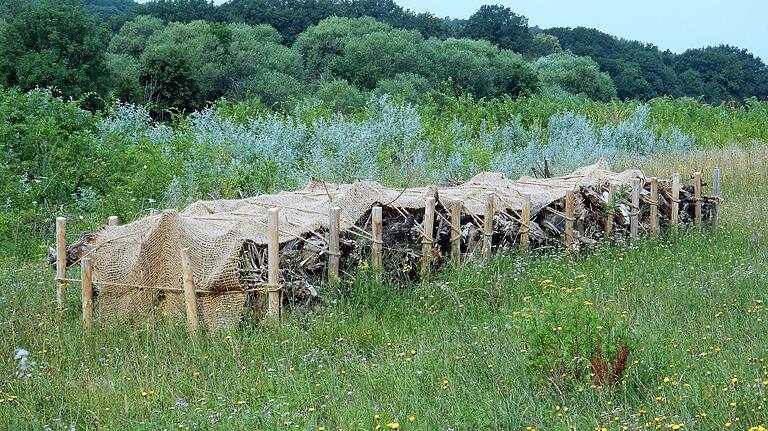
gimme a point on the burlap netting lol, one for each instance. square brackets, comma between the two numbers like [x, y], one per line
[146, 253]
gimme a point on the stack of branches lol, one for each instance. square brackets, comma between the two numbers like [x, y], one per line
[303, 263]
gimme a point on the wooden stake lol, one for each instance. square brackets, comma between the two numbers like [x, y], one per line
[456, 231]
[488, 224]
[377, 247]
[634, 215]
[675, 200]
[716, 194]
[190, 298]
[570, 203]
[654, 205]
[113, 221]
[86, 276]
[609, 216]
[428, 240]
[274, 301]
[334, 223]
[61, 262]
[525, 218]
[154, 212]
[697, 195]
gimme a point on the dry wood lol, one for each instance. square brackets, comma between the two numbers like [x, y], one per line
[654, 218]
[716, 194]
[61, 262]
[334, 223]
[525, 219]
[634, 215]
[570, 199]
[456, 231]
[190, 297]
[86, 278]
[609, 216]
[697, 196]
[274, 300]
[675, 219]
[113, 221]
[488, 224]
[428, 239]
[377, 246]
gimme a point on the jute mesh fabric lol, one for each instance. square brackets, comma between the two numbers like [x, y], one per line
[137, 266]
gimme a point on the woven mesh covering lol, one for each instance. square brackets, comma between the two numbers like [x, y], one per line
[138, 265]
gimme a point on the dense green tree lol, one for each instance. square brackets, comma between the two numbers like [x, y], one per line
[640, 71]
[320, 44]
[577, 75]
[501, 26]
[178, 10]
[725, 73]
[380, 55]
[132, 37]
[168, 77]
[54, 43]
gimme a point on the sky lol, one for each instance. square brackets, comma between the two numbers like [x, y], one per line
[669, 24]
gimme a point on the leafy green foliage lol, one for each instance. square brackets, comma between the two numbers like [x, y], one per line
[501, 26]
[53, 43]
[576, 75]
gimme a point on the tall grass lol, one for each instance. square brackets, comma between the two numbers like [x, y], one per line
[454, 354]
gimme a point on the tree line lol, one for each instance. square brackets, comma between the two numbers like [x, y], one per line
[177, 55]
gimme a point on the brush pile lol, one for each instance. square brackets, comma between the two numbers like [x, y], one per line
[138, 265]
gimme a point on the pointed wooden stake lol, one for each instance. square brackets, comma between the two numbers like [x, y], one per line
[675, 200]
[334, 227]
[634, 215]
[609, 215]
[654, 205]
[86, 277]
[190, 297]
[488, 225]
[525, 219]
[61, 262]
[428, 239]
[377, 246]
[456, 207]
[113, 221]
[274, 299]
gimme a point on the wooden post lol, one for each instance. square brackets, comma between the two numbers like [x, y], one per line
[190, 298]
[697, 195]
[488, 224]
[274, 301]
[61, 262]
[654, 205]
[428, 240]
[675, 200]
[86, 276]
[377, 247]
[525, 218]
[716, 194]
[154, 212]
[634, 215]
[609, 215]
[456, 207]
[334, 215]
[113, 221]
[570, 203]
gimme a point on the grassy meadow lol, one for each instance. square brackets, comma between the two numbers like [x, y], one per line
[493, 347]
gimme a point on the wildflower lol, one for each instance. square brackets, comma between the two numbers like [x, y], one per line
[411, 418]
[393, 426]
